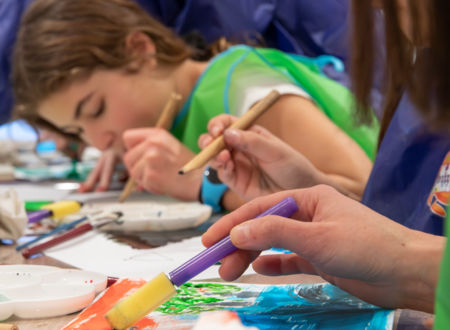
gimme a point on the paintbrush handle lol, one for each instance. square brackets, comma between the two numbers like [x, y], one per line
[164, 121]
[218, 144]
[57, 240]
[224, 247]
[58, 229]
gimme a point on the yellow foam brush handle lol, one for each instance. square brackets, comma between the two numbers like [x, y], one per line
[141, 302]
[62, 208]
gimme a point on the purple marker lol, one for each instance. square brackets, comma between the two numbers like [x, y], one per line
[224, 247]
[37, 216]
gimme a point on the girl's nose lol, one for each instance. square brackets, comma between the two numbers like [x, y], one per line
[99, 138]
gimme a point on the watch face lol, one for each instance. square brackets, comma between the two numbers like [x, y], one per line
[211, 175]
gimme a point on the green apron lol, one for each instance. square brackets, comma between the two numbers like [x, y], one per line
[221, 86]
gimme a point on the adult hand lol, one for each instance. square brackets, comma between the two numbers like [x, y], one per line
[256, 162]
[153, 159]
[346, 243]
[100, 177]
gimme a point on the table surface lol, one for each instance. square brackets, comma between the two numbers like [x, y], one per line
[405, 319]
[8, 255]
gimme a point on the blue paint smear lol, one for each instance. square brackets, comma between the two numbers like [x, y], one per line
[315, 306]
[297, 306]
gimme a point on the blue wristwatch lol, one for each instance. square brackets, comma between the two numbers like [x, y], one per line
[212, 189]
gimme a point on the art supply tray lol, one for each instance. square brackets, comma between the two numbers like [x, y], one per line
[32, 291]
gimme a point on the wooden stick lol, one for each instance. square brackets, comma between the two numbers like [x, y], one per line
[7, 326]
[75, 232]
[164, 121]
[244, 122]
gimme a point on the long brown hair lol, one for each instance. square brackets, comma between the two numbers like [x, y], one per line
[62, 40]
[422, 71]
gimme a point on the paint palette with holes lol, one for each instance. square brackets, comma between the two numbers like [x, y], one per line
[32, 291]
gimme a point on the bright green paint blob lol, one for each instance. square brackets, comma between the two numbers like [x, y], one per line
[195, 298]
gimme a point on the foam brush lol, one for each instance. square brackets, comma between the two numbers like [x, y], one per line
[157, 291]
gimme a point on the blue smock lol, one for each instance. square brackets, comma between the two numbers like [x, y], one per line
[409, 182]
[10, 14]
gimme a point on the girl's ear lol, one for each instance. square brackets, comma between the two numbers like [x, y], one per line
[139, 44]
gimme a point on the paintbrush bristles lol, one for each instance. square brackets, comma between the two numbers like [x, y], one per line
[244, 122]
[130, 186]
[164, 121]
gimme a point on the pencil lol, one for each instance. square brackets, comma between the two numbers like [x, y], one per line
[164, 121]
[244, 122]
[77, 231]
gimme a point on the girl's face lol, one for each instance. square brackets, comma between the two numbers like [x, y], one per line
[99, 109]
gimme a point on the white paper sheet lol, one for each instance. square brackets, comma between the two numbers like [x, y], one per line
[96, 252]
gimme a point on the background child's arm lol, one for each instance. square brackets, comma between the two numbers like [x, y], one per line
[302, 125]
[316, 152]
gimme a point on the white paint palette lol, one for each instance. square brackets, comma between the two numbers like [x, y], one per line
[32, 291]
[154, 216]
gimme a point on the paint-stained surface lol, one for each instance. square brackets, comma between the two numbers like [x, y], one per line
[305, 306]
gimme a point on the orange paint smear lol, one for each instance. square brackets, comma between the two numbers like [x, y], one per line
[93, 317]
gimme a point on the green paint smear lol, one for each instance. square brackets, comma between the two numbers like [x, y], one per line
[3, 298]
[193, 298]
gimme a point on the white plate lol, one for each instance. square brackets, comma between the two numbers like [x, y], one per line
[30, 291]
[77, 277]
[155, 216]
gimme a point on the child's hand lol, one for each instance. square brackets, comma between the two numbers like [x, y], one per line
[153, 159]
[101, 175]
[256, 162]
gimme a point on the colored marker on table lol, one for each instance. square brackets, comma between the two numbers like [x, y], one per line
[77, 231]
[59, 229]
[57, 210]
[162, 287]
[31, 206]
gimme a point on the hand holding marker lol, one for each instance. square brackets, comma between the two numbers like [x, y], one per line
[162, 287]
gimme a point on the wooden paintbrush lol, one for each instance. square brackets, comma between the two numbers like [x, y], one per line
[75, 232]
[244, 122]
[164, 121]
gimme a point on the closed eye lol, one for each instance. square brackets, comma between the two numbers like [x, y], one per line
[101, 109]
